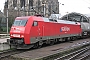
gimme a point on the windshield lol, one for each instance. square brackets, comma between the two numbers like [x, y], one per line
[19, 22]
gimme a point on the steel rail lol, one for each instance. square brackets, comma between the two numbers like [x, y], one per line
[73, 54]
[84, 57]
[73, 57]
[9, 53]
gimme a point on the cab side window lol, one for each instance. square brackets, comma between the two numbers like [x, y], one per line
[35, 23]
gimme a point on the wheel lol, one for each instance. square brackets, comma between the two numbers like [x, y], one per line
[38, 45]
[35, 45]
[51, 42]
[67, 39]
[73, 38]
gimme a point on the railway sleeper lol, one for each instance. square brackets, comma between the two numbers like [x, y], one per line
[76, 55]
[84, 57]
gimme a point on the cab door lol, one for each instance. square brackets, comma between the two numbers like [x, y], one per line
[40, 28]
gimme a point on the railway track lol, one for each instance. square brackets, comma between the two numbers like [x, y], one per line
[5, 54]
[81, 54]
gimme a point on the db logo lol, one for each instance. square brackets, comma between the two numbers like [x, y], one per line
[65, 28]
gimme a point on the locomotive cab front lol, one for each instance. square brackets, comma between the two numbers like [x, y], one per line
[22, 32]
[17, 32]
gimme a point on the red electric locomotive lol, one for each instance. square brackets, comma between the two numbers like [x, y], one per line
[33, 31]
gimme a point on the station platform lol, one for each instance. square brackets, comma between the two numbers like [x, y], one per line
[3, 40]
[4, 34]
[3, 44]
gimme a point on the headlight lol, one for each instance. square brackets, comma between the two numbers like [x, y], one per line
[11, 35]
[15, 35]
[22, 35]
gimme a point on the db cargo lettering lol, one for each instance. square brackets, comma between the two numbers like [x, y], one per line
[65, 28]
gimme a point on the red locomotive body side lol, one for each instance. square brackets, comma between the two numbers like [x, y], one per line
[48, 30]
[54, 29]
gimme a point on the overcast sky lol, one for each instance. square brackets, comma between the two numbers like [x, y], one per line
[80, 6]
[2, 4]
